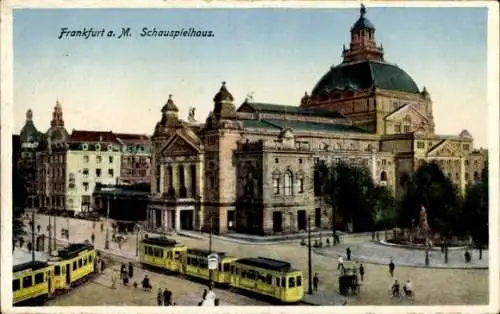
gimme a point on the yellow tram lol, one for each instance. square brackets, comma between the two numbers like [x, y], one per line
[31, 281]
[269, 277]
[73, 264]
[162, 253]
[195, 263]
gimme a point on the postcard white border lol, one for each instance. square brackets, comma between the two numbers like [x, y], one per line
[6, 112]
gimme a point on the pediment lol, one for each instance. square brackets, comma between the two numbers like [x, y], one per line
[179, 145]
[444, 149]
[407, 112]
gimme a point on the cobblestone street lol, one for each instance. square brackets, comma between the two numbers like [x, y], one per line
[432, 286]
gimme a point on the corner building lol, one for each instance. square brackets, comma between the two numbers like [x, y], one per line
[251, 169]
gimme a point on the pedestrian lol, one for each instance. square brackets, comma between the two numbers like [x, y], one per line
[204, 294]
[361, 271]
[348, 253]
[122, 271]
[102, 227]
[113, 279]
[166, 297]
[130, 270]
[391, 268]
[340, 263]
[159, 297]
[103, 266]
[315, 282]
[92, 237]
[125, 279]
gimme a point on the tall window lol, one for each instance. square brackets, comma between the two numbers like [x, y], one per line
[98, 172]
[288, 183]
[397, 128]
[158, 181]
[407, 129]
[86, 158]
[276, 186]
[110, 159]
[301, 185]
[98, 159]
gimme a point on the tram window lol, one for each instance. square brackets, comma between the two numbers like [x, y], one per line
[169, 255]
[74, 265]
[277, 282]
[145, 250]
[283, 281]
[194, 261]
[203, 263]
[177, 255]
[251, 275]
[291, 282]
[85, 261]
[150, 251]
[269, 279]
[237, 271]
[219, 267]
[243, 274]
[57, 270]
[262, 278]
[27, 282]
[38, 278]
[231, 267]
[90, 258]
[16, 285]
[80, 263]
[299, 281]
[226, 267]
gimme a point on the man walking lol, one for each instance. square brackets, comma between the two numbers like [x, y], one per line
[315, 282]
[159, 297]
[340, 265]
[92, 237]
[361, 271]
[391, 268]
[348, 253]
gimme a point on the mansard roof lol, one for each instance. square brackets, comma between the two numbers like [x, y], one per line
[293, 110]
[301, 126]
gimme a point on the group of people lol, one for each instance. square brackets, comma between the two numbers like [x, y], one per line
[407, 289]
[164, 297]
[125, 275]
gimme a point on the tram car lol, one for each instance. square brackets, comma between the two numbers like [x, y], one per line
[266, 276]
[163, 253]
[31, 283]
[195, 264]
[72, 265]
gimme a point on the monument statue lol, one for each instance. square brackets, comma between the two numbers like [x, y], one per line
[424, 224]
[191, 114]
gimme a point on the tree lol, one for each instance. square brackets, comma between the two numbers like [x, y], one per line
[384, 213]
[429, 187]
[475, 211]
[351, 193]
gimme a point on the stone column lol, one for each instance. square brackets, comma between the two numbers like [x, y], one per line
[463, 182]
[177, 220]
[162, 180]
[187, 179]
[153, 218]
[175, 179]
[165, 220]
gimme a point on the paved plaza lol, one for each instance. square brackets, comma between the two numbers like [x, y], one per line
[377, 253]
[433, 286]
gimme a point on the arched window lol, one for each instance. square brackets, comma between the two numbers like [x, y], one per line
[288, 183]
[383, 176]
[276, 186]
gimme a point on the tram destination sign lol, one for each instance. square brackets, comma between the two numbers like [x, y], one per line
[213, 260]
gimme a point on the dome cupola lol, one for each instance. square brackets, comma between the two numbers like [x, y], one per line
[223, 104]
[169, 106]
[223, 95]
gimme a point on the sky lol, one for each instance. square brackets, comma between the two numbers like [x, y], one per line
[275, 54]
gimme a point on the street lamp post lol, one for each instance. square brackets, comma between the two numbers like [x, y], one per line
[210, 248]
[49, 229]
[55, 229]
[33, 234]
[137, 230]
[309, 262]
[106, 243]
[67, 228]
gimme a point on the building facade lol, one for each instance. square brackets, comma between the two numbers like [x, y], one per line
[69, 166]
[250, 168]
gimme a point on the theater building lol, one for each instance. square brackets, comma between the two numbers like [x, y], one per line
[250, 169]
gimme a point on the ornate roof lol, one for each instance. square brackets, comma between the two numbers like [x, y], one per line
[363, 22]
[29, 132]
[300, 126]
[365, 75]
[170, 106]
[223, 94]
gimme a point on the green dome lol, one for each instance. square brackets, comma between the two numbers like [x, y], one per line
[365, 75]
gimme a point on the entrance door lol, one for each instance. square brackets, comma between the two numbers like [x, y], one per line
[277, 221]
[187, 219]
[318, 217]
[301, 220]
[68, 276]
[158, 218]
